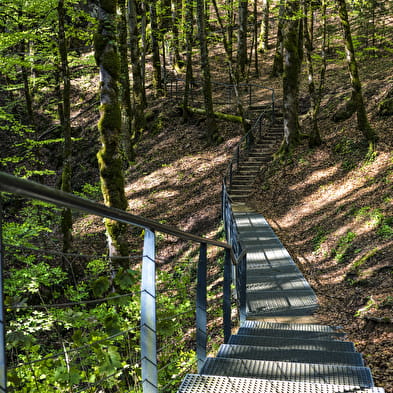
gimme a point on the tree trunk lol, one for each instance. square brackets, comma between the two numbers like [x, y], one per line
[212, 129]
[176, 60]
[316, 95]
[66, 215]
[230, 23]
[278, 63]
[291, 78]
[264, 36]
[109, 126]
[242, 36]
[357, 96]
[189, 41]
[157, 77]
[233, 71]
[127, 111]
[138, 91]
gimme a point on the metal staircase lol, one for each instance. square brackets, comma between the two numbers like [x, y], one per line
[279, 346]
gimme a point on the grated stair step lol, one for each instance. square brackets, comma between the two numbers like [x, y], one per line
[291, 333]
[304, 343]
[194, 383]
[289, 371]
[308, 327]
[290, 355]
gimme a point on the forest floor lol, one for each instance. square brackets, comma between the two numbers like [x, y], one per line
[331, 206]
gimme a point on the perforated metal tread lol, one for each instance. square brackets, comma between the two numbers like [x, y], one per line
[256, 272]
[276, 283]
[290, 333]
[304, 343]
[290, 355]
[287, 371]
[214, 384]
[308, 327]
[284, 302]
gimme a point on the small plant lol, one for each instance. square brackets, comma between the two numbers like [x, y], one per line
[319, 238]
[341, 251]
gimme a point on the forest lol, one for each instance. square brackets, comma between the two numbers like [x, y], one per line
[139, 105]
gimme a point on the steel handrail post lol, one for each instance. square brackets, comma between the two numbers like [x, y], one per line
[3, 357]
[201, 307]
[230, 176]
[242, 287]
[227, 296]
[148, 316]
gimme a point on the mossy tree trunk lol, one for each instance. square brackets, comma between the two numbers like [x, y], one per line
[242, 36]
[278, 62]
[138, 91]
[189, 12]
[66, 215]
[109, 126]
[291, 77]
[126, 104]
[155, 38]
[212, 129]
[264, 35]
[357, 96]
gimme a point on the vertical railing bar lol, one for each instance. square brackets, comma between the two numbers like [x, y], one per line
[3, 358]
[227, 295]
[242, 288]
[201, 306]
[148, 316]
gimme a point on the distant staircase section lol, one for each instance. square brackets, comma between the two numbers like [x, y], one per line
[259, 154]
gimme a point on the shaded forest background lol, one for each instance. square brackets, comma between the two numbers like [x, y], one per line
[331, 204]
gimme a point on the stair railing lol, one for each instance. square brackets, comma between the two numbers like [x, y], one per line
[239, 268]
[148, 327]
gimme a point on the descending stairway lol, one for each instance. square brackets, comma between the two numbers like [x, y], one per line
[280, 347]
[259, 154]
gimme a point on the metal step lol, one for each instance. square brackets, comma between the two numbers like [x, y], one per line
[194, 383]
[307, 327]
[254, 274]
[304, 343]
[290, 355]
[281, 303]
[279, 282]
[287, 371]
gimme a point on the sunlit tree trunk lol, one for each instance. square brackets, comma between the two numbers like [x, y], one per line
[264, 35]
[176, 8]
[357, 96]
[212, 129]
[66, 215]
[109, 157]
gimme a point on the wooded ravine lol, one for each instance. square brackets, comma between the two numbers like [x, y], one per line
[87, 105]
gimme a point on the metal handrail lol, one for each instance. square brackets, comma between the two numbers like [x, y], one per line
[30, 189]
[148, 332]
